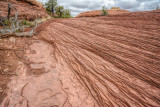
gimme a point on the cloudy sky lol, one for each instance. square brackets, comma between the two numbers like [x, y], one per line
[78, 6]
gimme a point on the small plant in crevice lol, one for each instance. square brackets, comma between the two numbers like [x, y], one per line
[104, 11]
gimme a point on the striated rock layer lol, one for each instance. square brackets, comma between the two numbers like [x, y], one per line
[85, 62]
[28, 9]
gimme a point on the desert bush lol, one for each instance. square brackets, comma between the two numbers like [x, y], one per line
[6, 22]
[104, 11]
[57, 11]
[27, 23]
[50, 7]
[67, 13]
[15, 27]
[62, 13]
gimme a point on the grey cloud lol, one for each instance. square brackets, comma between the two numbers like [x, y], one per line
[127, 4]
[144, 0]
[78, 6]
[137, 5]
[151, 5]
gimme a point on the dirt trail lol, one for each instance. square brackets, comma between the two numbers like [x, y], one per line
[91, 62]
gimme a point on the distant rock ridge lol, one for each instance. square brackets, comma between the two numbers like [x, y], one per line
[28, 9]
[94, 13]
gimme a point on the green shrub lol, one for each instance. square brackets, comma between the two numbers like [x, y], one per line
[27, 23]
[50, 7]
[56, 10]
[104, 11]
[17, 31]
[23, 23]
[6, 22]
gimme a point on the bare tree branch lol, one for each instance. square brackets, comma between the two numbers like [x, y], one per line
[2, 22]
[15, 26]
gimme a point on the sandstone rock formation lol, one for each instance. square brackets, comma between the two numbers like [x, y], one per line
[28, 9]
[112, 11]
[84, 62]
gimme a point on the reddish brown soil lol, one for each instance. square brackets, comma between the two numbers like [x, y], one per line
[99, 13]
[28, 9]
[87, 62]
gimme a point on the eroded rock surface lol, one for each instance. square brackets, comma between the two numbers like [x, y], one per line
[85, 62]
[57, 86]
[28, 9]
